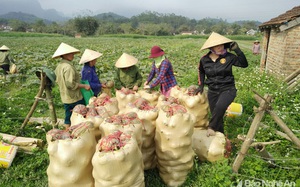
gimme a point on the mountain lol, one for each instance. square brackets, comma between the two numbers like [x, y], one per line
[28, 18]
[32, 7]
[110, 17]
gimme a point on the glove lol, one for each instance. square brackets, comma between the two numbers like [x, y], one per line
[234, 46]
[199, 90]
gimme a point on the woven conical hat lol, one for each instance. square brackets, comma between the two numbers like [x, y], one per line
[125, 61]
[4, 48]
[89, 55]
[215, 39]
[64, 49]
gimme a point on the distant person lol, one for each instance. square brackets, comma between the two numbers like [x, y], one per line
[68, 80]
[216, 66]
[161, 67]
[88, 72]
[256, 47]
[6, 62]
[127, 74]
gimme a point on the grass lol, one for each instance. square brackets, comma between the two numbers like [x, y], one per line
[30, 53]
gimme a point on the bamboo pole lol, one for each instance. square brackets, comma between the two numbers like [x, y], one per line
[285, 128]
[50, 104]
[264, 154]
[279, 133]
[293, 75]
[251, 133]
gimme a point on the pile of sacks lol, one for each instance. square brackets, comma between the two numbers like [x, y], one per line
[135, 131]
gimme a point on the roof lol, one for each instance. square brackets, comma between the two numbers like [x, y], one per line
[283, 18]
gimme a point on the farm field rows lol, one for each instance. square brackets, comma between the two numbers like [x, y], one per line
[31, 53]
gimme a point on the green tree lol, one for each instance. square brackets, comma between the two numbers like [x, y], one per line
[87, 25]
[39, 26]
[18, 25]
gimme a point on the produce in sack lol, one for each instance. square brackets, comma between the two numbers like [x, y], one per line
[210, 148]
[128, 122]
[173, 139]
[177, 91]
[125, 96]
[70, 153]
[109, 103]
[196, 105]
[163, 100]
[151, 97]
[147, 114]
[118, 162]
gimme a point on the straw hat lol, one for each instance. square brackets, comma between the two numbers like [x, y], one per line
[215, 39]
[125, 61]
[4, 48]
[156, 51]
[89, 55]
[256, 41]
[64, 49]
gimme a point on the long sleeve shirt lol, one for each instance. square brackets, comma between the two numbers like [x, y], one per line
[89, 73]
[219, 73]
[5, 58]
[68, 79]
[165, 76]
[128, 77]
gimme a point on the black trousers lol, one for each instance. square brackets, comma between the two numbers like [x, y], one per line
[218, 104]
[5, 67]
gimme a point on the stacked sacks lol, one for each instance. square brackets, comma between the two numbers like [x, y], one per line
[129, 123]
[118, 162]
[104, 100]
[96, 115]
[147, 114]
[196, 105]
[70, 153]
[125, 96]
[173, 138]
[150, 96]
[210, 148]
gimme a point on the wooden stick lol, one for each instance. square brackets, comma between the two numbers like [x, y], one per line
[264, 154]
[277, 132]
[250, 135]
[50, 104]
[285, 128]
[293, 75]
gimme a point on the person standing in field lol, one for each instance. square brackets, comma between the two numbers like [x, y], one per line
[6, 62]
[256, 47]
[216, 66]
[127, 74]
[88, 72]
[161, 67]
[68, 80]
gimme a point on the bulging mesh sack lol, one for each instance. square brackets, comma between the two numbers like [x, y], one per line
[173, 139]
[118, 162]
[150, 96]
[70, 154]
[147, 114]
[128, 122]
[106, 101]
[125, 96]
[210, 148]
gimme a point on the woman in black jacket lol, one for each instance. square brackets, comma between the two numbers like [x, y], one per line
[216, 66]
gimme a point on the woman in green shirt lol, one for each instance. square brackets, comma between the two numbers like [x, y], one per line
[127, 74]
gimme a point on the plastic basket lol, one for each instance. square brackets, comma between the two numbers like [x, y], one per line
[87, 94]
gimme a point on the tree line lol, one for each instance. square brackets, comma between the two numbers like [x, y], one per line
[146, 23]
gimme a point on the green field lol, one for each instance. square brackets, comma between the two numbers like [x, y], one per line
[32, 52]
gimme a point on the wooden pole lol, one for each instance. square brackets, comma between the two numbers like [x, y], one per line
[251, 133]
[285, 128]
[50, 104]
[37, 98]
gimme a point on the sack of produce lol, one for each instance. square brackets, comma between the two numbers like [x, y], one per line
[70, 154]
[128, 122]
[109, 103]
[118, 162]
[125, 96]
[150, 96]
[173, 139]
[163, 100]
[196, 105]
[210, 148]
[147, 114]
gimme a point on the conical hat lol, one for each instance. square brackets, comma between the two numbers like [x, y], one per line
[4, 48]
[64, 49]
[215, 39]
[125, 61]
[89, 55]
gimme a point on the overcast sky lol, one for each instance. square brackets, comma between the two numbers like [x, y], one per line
[231, 10]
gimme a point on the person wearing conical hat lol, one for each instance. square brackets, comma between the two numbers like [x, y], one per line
[215, 71]
[68, 80]
[5, 60]
[256, 47]
[161, 67]
[88, 71]
[127, 73]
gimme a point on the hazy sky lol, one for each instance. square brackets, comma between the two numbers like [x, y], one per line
[231, 10]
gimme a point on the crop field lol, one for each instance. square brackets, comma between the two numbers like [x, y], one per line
[31, 52]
